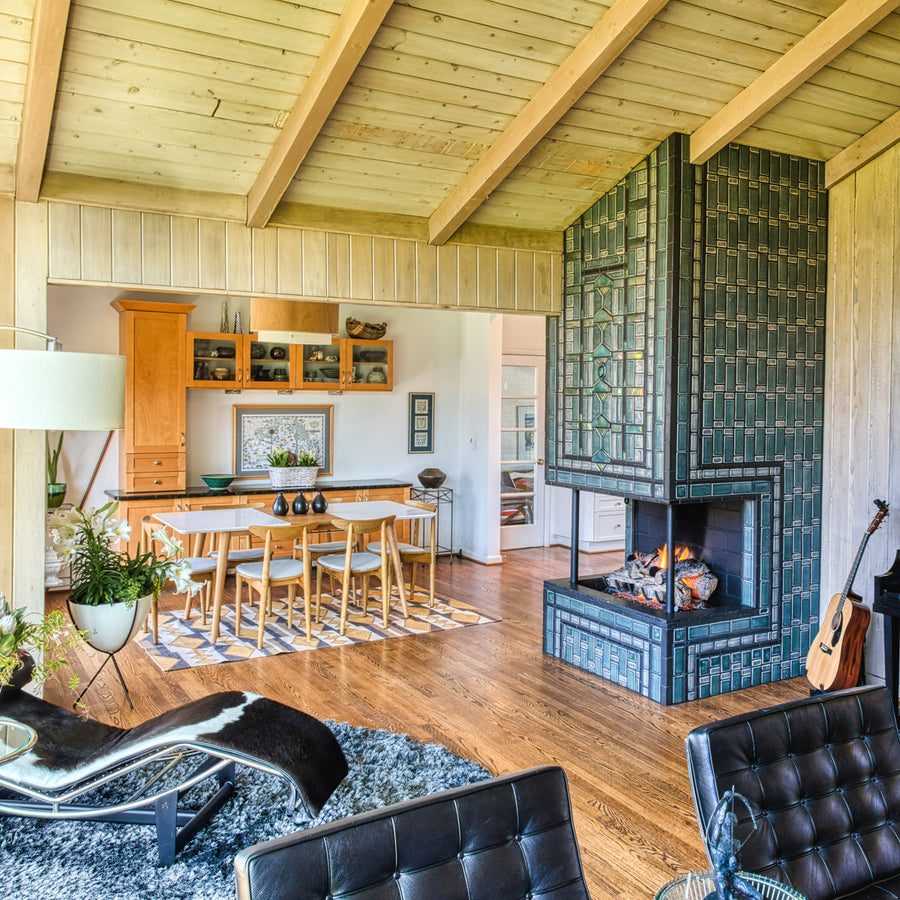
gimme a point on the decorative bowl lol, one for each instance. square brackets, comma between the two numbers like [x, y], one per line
[278, 353]
[218, 482]
[331, 371]
[432, 478]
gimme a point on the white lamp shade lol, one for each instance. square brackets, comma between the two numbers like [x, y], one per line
[57, 390]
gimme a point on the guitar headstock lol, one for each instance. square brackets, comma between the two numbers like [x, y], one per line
[879, 517]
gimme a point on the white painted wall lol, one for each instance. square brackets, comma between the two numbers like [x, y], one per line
[453, 354]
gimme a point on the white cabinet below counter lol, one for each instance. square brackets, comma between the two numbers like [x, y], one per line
[601, 520]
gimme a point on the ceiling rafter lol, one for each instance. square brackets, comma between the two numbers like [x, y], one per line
[830, 37]
[882, 137]
[356, 27]
[48, 34]
[596, 51]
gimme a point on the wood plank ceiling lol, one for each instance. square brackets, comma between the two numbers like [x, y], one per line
[438, 119]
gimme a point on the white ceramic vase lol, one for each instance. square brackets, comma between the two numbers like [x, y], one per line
[110, 626]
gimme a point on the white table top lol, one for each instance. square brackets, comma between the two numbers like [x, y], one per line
[376, 509]
[217, 521]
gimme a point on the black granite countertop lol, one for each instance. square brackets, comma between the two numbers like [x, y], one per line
[262, 486]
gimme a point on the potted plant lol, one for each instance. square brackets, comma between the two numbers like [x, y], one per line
[20, 636]
[111, 591]
[288, 469]
[56, 490]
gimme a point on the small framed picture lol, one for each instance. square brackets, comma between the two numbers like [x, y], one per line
[421, 423]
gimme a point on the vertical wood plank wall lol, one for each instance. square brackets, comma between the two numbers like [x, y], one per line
[862, 423]
[178, 253]
[23, 302]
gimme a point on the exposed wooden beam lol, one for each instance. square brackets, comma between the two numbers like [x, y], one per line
[882, 137]
[356, 27]
[596, 51]
[48, 33]
[829, 38]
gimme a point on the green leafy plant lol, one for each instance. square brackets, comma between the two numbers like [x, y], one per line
[53, 459]
[281, 459]
[49, 637]
[100, 574]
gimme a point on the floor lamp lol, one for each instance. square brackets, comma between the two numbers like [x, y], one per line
[50, 389]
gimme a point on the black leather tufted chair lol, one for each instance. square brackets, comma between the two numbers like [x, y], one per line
[822, 775]
[504, 838]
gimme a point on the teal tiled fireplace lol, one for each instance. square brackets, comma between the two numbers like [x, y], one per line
[686, 374]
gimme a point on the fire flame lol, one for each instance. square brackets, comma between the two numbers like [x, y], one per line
[681, 553]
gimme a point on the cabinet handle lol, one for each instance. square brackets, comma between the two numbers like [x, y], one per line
[157, 462]
[182, 438]
[157, 481]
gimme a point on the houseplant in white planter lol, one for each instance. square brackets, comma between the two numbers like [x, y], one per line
[56, 490]
[112, 592]
[288, 469]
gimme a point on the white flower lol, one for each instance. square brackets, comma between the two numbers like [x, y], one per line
[8, 624]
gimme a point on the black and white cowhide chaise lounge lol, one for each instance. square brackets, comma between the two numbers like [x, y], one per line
[73, 757]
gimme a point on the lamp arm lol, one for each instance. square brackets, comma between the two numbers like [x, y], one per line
[52, 342]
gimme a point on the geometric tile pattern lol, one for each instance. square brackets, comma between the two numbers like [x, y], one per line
[688, 366]
[187, 644]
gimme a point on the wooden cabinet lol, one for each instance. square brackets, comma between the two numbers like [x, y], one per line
[242, 362]
[152, 445]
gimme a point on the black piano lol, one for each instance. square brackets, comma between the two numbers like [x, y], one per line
[887, 602]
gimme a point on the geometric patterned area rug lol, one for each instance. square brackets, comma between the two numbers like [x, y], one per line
[186, 644]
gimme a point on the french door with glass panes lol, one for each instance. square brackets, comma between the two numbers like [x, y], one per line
[521, 442]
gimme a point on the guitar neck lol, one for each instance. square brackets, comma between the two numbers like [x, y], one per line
[859, 555]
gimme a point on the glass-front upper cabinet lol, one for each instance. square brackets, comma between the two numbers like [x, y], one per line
[370, 365]
[321, 367]
[267, 364]
[214, 360]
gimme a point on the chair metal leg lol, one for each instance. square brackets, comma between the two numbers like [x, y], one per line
[109, 656]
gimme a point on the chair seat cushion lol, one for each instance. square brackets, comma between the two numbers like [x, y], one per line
[375, 547]
[241, 555]
[280, 567]
[359, 562]
[200, 564]
[325, 547]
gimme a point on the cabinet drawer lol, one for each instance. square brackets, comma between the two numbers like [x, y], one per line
[154, 462]
[154, 481]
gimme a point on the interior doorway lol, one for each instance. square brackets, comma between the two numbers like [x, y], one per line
[521, 510]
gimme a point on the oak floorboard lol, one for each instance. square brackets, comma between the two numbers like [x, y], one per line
[488, 693]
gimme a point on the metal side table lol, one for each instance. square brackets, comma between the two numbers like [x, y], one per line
[700, 885]
[442, 498]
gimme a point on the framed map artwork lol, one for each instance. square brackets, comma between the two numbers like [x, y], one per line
[258, 430]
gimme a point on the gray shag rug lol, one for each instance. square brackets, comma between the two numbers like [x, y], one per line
[45, 860]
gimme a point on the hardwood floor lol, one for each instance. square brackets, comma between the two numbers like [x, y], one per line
[490, 694]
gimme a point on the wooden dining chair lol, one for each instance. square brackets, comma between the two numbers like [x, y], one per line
[236, 555]
[422, 548]
[203, 570]
[354, 563]
[275, 571]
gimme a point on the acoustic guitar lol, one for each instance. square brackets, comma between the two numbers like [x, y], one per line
[834, 658]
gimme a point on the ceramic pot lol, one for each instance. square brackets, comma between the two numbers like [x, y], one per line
[319, 504]
[432, 478]
[21, 675]
[280, 506]
[300, 506]
[110, 626]
[56, 493]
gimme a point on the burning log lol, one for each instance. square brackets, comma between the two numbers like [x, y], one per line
[644, 576]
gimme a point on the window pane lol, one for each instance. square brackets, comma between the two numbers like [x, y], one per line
[518, 380]
[517, 414]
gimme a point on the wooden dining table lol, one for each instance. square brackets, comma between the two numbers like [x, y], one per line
[231, 520]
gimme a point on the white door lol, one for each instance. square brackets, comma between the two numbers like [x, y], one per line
[521, 446]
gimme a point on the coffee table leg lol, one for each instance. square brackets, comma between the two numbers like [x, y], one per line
[223, 539]
[398, 567]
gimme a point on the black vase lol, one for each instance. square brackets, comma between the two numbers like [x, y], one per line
[319, 504]
[280, 506]
[300, 506]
